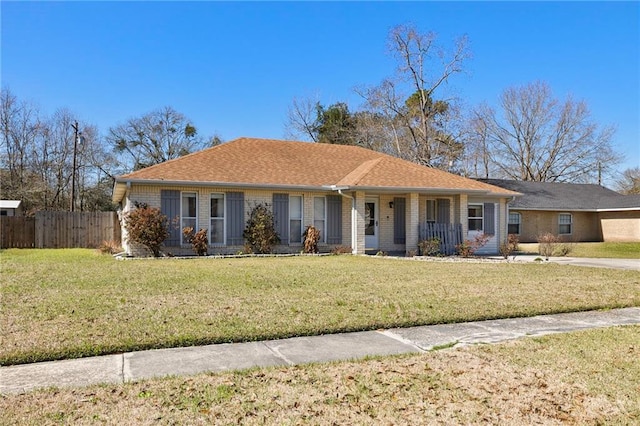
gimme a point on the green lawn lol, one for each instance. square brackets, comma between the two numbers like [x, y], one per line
[59, 304]
[604, 250]
[582, 378]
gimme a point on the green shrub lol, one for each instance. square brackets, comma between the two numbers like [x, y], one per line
[199, 240]
[147, 226]
[430, 247]
[311, 237]
[260, 233]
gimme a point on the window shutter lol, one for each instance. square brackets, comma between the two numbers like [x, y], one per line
[281, 216]
[235, 218]
[399, 221]
[489, 218]
[444, 205]
[170, 207]
[334, 219]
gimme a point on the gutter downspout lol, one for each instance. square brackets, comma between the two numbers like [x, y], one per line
[354, 222]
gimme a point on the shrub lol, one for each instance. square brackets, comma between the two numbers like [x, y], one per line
[547, 244]
[510, 246]
[110, 247]
[199, 240]
[147, 226]
[468, 247]
[311, 237]
[563, 249]
[341, 250]
[430, 247]
[260, 233]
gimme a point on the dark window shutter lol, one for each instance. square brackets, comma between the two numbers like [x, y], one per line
[489, 218]
[281, 216]
[444, 205]
[334, 219]
[170, 207]
[399, 221]
[235, 218]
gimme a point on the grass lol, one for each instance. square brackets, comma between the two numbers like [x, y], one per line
[602, 250]
[587, 377]
[59, 304]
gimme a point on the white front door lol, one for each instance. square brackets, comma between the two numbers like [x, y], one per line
[371, 224]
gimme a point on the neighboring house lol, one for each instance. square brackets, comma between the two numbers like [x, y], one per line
[356, 197]
[576, 212]
[11, 208]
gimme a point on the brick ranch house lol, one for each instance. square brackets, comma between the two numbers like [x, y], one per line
[356, 197]
[575, 212]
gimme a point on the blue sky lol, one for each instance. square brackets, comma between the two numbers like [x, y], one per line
[234, 68]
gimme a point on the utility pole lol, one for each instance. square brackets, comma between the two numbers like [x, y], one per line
[73, 173]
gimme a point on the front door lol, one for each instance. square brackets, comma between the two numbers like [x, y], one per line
[371, 224]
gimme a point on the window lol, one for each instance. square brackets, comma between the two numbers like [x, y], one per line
[431, 211]
[475, 217]
[295, 219]
[319, 216]
[514, 223]
[216, 227]
[188, 215]
[564, 223]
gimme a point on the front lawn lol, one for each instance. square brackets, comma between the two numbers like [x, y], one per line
[586, 377]
[59, 304]
[603, 250]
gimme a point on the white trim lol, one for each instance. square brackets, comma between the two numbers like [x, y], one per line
[224, 219]
[301, 219]
[564, 224]
[182, 217]
[323, 231]
[509, 213]
[475, 217]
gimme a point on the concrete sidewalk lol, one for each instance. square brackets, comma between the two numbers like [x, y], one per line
[214, 358]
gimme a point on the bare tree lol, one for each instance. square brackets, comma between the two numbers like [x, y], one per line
[155, 137]
[629, 181]
[302, 119]
[20, 125]
[536, 137]
[36, 165]
[412, 101]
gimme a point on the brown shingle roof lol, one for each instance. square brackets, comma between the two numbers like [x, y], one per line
[269, 162]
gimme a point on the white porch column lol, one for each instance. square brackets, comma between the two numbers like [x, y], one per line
[464, 212]
[412, 221]
[358, 219]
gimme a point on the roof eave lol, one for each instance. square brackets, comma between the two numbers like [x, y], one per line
[121, 185]
[553, 209]
[618, 209]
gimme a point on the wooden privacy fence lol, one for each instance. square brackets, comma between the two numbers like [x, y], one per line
[59, 230]
[17, 232]
[449, 234]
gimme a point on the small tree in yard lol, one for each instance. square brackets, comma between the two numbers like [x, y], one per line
[198, 240]
[147, 226]
[260, 232]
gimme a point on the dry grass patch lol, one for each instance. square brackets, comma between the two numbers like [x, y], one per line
[71, 303]
[608, 250]
[588, 377]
